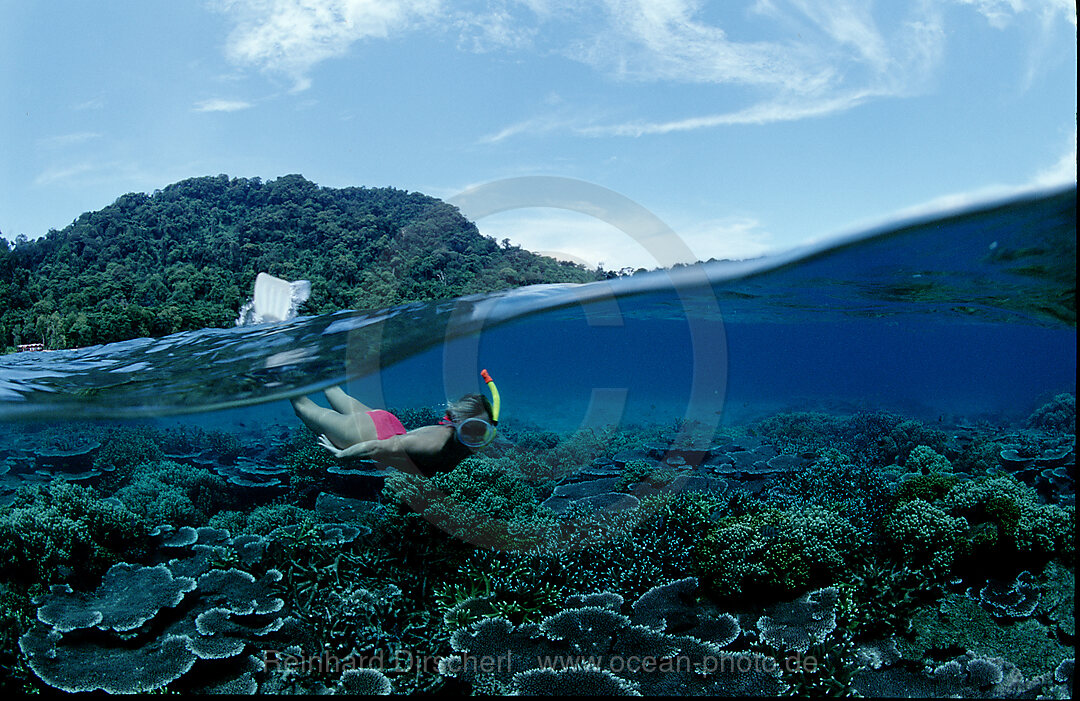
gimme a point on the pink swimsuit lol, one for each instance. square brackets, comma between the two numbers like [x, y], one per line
[386, 424]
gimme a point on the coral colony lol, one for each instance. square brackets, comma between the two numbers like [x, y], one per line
[804, 554]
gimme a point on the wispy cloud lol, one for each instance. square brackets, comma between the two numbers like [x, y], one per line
[764, 113]
[292, 36]
[96, 103]
[61, 173]
[221, 105]
[788, 59]
[67, 140]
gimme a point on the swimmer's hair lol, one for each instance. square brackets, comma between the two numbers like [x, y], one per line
[469, 406]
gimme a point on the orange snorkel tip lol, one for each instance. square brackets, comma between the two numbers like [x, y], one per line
[486, 377]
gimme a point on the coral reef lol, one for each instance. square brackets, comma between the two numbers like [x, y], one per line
[608, 651]
[824, 555]
[798, 624]
[960, 622]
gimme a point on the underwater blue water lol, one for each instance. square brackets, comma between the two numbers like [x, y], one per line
[954, 319]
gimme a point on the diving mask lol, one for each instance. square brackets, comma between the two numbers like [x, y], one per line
[476, 432]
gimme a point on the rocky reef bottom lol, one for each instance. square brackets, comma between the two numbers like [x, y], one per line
[805, 553]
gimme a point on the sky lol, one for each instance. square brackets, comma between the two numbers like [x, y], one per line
[742, 127]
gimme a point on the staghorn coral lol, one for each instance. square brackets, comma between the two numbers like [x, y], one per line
[169, 492]
[871, 439]
[834, 482]
[482, 500]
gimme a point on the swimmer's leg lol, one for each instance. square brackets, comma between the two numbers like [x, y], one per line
[343, 402]
[343, 430]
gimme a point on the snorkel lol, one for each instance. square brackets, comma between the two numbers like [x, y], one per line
[476, 432]
[486, 377]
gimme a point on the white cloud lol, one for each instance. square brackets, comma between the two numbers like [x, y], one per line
[292, 36]
[585, 239]
[96, 103]
[221, 105]
[1061, 173]
[764, 113]
[567, 235]
[1001, 13]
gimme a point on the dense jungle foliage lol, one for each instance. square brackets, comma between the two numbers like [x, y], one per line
[186, 257]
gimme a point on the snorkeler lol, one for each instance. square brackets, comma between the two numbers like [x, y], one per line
[352, 429]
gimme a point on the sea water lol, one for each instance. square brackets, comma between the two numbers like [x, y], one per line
[958, 318]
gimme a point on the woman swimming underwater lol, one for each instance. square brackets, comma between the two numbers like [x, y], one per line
[353, 429]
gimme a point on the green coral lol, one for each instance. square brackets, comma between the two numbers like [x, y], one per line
[482, 500]
[773, 552]
[1059, 414]
[925, 460]
[875, 439]
[857, 492]
[1025, 527]
[63, 532]
[179, 495]
[635, 471]
[263, 519]
[926, 537]
[931, 487]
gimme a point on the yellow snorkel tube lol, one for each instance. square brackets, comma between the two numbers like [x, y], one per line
[494, 396]
[476, 432]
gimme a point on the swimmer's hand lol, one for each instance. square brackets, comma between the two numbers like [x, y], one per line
[325, 442]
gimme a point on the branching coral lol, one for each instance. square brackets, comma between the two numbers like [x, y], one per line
[871, 439]
[1025, 528]
[51, 535]
[859, 493]
[168, 492]
[771, 552]
[926, 537]
[925, 460]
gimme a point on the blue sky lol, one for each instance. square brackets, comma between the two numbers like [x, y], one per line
[744, 126]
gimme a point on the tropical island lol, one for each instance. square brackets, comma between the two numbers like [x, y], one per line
[186, 257]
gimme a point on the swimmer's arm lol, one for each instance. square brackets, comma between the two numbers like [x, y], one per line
[365, 450]
[424, 443]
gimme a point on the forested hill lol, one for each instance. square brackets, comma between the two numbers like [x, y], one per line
[186, 257]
